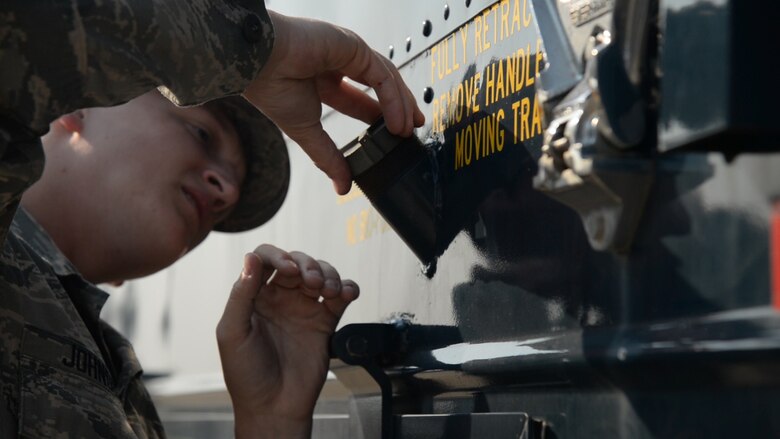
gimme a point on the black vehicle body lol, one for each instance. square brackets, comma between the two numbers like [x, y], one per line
[607, 226]
[665, 329]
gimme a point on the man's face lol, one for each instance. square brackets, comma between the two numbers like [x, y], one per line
[150, 179]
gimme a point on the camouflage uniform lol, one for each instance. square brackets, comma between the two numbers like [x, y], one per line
[63, 372]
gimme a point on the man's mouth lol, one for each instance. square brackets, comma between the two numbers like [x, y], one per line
[197, 202]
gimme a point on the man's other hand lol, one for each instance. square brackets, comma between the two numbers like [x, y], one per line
[273, 339]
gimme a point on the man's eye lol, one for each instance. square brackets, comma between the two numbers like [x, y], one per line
[203, 134]
[200, 133]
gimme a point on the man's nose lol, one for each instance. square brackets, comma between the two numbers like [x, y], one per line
[224, 190]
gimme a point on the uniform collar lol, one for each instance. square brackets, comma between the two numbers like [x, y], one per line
[85, 296]
[33, 234]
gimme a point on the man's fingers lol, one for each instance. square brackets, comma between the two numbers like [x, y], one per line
[338, 304]
[400, 123]
[236, 319]
[323, 152]
[304, 71]
[317, 278]
[416, 116]
[396, 101]
[406, 96]
[347, 99]
[275, 259]
[310, 279]
[259, 266]
[356, 103]
[359, 62]
[391, 99]
[351, 56]
[332, 286]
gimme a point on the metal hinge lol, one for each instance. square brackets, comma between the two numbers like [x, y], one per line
[590, 160]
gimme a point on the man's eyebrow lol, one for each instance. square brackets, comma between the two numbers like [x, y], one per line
[227, 125]
[222, 119]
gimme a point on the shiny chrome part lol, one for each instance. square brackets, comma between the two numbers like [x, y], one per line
[563, 69]
[582, 12]
[586, 158]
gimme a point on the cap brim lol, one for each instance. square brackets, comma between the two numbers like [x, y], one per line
[267, 166]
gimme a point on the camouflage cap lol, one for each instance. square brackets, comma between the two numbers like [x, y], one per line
[267, 165]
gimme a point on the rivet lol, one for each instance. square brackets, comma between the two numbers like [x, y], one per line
[427, 28]
[408, 44]
[391, 52]
[446, 11]
[468, 3]
[428, 95]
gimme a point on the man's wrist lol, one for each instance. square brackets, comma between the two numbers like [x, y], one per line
[250, 426]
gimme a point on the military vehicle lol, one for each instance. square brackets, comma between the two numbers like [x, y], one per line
[583, 241]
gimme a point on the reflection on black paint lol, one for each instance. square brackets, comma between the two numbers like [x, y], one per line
[427, 198]
[459, 191]
[685, 28]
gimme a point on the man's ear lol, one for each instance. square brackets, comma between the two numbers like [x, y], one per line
[72, 122]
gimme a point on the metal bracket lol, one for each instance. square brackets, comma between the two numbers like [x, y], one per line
[607, 191]
[589, 159]
[373, 346]
[473, 425]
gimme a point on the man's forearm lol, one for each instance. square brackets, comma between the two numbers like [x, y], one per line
[58, 56]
